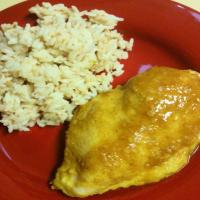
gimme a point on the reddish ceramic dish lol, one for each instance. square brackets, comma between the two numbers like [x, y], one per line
[165, 33]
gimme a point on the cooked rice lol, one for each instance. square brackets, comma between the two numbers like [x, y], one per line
[47, 70]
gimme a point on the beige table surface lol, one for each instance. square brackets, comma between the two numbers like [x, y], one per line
[191, 3]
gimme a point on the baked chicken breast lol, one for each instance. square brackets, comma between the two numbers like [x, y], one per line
[133, 135]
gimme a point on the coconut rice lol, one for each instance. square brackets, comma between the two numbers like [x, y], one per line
[47, 70]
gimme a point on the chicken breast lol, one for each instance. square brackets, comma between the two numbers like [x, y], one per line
[132, 135]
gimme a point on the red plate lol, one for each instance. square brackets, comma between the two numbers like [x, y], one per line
[165, 33]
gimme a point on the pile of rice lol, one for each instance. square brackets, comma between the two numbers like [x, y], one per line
[47, 70]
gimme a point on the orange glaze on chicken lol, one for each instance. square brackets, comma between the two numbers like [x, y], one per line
[133, 135]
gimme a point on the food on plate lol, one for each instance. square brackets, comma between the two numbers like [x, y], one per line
[48, 69]
[132, 135]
